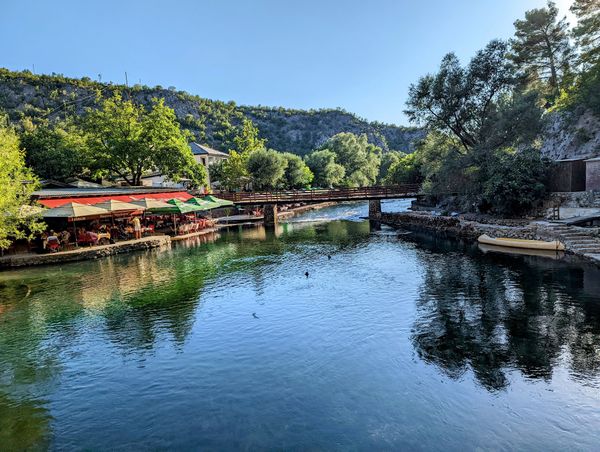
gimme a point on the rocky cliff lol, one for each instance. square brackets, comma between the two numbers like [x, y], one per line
[569, 135]
[23, 94]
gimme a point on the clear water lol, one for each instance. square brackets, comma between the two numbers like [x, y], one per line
[396, 342]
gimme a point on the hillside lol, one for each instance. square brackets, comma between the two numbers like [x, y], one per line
[23, 94]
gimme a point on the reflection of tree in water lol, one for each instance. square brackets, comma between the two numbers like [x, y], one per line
[496, 313]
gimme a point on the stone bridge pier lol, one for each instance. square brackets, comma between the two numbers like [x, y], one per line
[375, 209]
[270, 215]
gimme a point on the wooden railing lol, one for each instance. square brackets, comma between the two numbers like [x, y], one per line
[322, 195]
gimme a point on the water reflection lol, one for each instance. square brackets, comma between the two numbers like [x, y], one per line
[493, 314]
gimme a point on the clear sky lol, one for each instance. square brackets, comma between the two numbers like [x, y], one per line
[360, 55]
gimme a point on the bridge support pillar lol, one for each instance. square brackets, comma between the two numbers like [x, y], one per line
[375, 209]
[270, 215]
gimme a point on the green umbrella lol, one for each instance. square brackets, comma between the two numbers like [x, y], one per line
[202, 203]
[183, 207]
[218, 201]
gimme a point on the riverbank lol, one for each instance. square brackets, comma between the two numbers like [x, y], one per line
[579, 241]
[286, 214]
[85, 253]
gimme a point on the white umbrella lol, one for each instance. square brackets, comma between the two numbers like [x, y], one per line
[75, 210]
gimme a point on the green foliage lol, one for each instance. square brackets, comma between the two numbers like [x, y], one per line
[514, 182]
[461, 100]
[126, 140]
[359, 158]
[405, 170]
[247, 139]
[232, 174]
[541, 46]
[387, 160]
[54, 151]
[17, 183]
[267, 168]
[327, 172]
[297, 173]
[585, 92]
[587, 30]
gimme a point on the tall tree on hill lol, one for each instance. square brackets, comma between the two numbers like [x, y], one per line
[541, 46]
[17, 182]
[126, 140]
[587, 30]
[461, 100]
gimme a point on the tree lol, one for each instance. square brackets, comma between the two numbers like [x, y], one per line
[126, 140]
[54, 151]
[297, 173]
[587, 30]
[514, 182]
[247, 139]
[387, 160]
[267, 168]
[359, 158]
[232, 173]
[460, 100]
[327, 173]
[541, 45]
[17, 183]
[405, 170]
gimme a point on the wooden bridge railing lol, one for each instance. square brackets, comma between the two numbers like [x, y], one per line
[322, 195]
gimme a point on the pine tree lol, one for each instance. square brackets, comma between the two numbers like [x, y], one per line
[587, 31]
[541, 46]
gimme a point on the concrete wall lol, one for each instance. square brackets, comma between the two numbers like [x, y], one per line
[592, 175]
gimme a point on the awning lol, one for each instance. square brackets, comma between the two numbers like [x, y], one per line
[90, 200]
[202, 203]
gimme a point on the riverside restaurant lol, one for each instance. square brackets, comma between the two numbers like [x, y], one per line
[90, 217]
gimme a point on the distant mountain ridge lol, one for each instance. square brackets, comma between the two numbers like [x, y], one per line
[23, 94]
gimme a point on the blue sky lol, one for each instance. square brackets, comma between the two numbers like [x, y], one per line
[358, 55]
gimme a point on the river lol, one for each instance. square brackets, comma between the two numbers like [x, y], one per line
[394, 341]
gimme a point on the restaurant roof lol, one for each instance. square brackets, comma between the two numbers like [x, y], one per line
[58, 197]
[79, 191]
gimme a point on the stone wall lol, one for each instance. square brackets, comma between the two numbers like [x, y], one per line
[84, 253]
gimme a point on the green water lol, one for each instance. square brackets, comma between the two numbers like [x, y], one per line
[395, 342]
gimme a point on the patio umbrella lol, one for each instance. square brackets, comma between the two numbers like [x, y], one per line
[118, 206]
[204, 204]
[220, 202]
[75, 211]
[183, 207]
[153, 205]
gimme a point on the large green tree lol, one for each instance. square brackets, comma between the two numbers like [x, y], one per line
[387, 160]
[359, 158]
[266, 168]
[327, 172]
[126, 140]
[54, 151]
[587, 30]
[297, 173]
[460, 100]
[541, 46]
[17, 183]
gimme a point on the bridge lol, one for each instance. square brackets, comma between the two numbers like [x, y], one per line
[270, 200]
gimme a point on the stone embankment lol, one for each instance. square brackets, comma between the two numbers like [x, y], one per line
[583, 242]
[85, 253]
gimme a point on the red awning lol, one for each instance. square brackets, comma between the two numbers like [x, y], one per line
[56, 202]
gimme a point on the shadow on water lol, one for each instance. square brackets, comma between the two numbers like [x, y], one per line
[494, 313]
